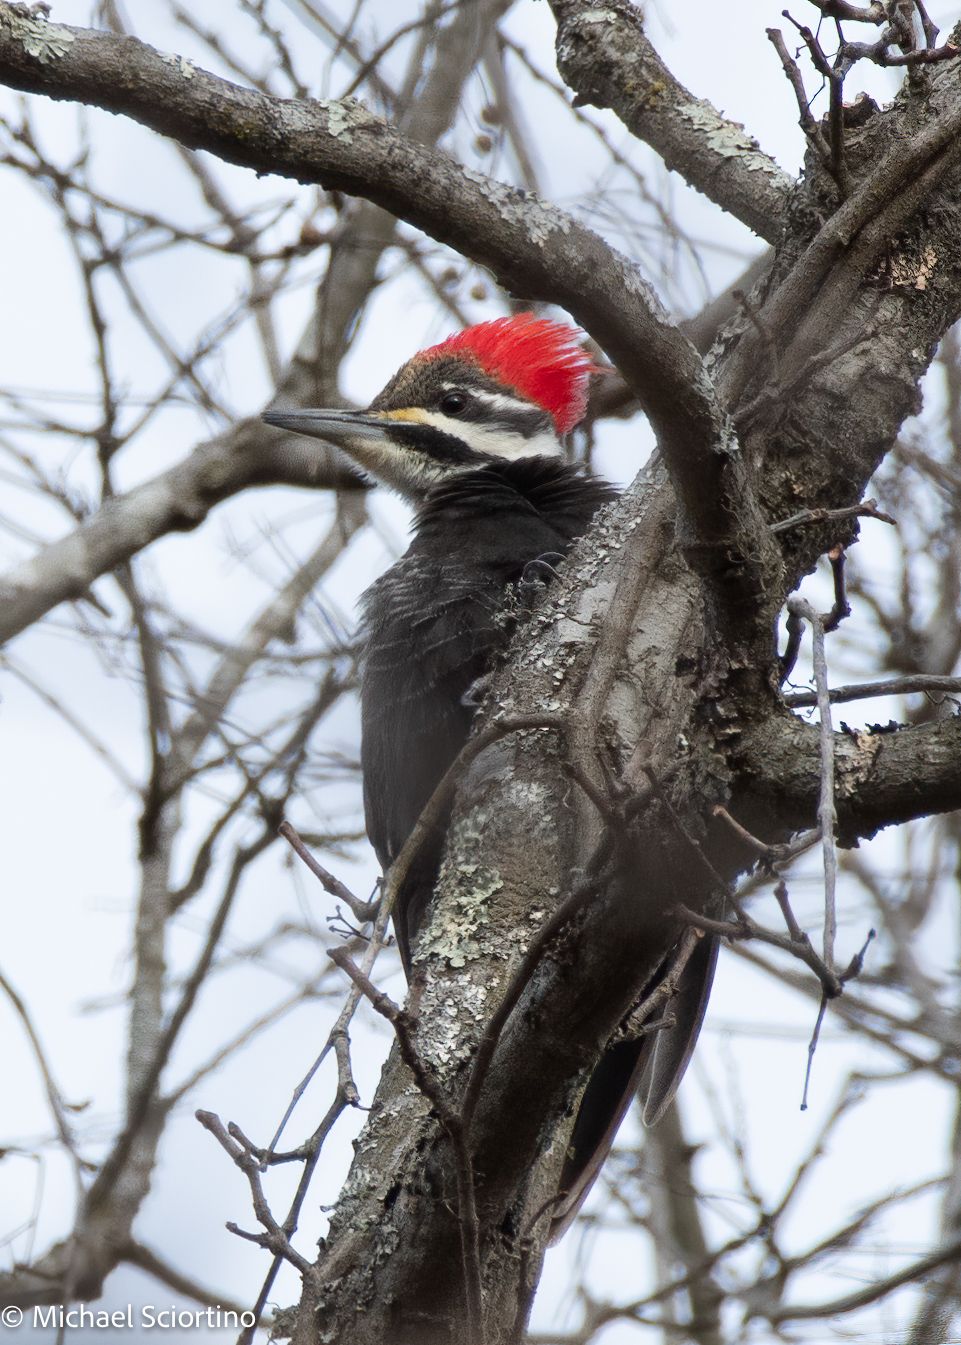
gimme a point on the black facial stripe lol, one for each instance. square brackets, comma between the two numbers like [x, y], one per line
[426, 383]
[433, 443]
[525, 421]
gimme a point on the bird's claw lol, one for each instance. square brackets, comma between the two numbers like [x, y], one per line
[473, 697]
[535, 575]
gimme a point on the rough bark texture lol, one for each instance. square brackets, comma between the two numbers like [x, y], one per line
[650, 664]
[608, 60]
[654, 657]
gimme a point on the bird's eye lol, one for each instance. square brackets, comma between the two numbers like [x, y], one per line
[453, 403]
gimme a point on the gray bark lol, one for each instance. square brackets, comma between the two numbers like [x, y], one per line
[654, 658]
[607, 59]
[651, 662]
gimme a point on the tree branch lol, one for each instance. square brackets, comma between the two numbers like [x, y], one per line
[845, 247]
[606, 58]
[915, 684]
[534, 249]
[871, 1293]
[175, 501]
[884, 775]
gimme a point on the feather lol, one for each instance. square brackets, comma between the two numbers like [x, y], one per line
[540, 359]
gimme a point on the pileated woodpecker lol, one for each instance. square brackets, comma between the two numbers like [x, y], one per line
[470, 431]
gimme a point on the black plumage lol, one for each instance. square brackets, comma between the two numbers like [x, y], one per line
[464, 430]
[435, 623]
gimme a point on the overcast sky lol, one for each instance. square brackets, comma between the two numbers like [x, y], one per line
[70, 827]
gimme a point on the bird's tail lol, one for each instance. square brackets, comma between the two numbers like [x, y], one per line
[650, 1068]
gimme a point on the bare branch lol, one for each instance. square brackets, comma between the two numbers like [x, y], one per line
[876, 1290]
[882, 774]
[606, 58]
[363, 910]
[869, 509]
[274, 1238]
[533, 248]
[827, 816]
[177, 500]
[916, 684]
[791, 68]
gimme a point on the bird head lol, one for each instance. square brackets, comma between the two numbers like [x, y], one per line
[506, 389]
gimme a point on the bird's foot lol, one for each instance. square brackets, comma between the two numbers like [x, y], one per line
[536, 574]
[473, 697]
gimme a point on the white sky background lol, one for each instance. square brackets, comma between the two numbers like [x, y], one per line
[69, 828]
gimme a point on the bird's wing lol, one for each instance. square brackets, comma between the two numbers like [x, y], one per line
[670, 1051]
[649, 1068]
[431, 630]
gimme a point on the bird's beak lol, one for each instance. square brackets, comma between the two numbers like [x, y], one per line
[377, 441]
[340, 427]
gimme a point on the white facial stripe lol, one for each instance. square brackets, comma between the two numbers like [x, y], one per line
[498, 402]
[411, 472]
[494, 439]
[406, 470]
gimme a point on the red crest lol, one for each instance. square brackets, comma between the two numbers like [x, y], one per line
[540, 359]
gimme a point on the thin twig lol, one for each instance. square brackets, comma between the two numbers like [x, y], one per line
[770, 854]
[365, 911]
[274, 1238]
[931, 29]
[742, 928]
[313, 1147]
[867, 509]
[890, 686]
[791, 68]
[834, 74]
[338, 1030]
[827, 816]
[841, 608]
[812, 1047]
[429, 1085]
[851, 971]
[795, 633]
[793, 928]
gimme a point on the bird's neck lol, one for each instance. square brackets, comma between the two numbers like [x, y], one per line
[533, 485]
